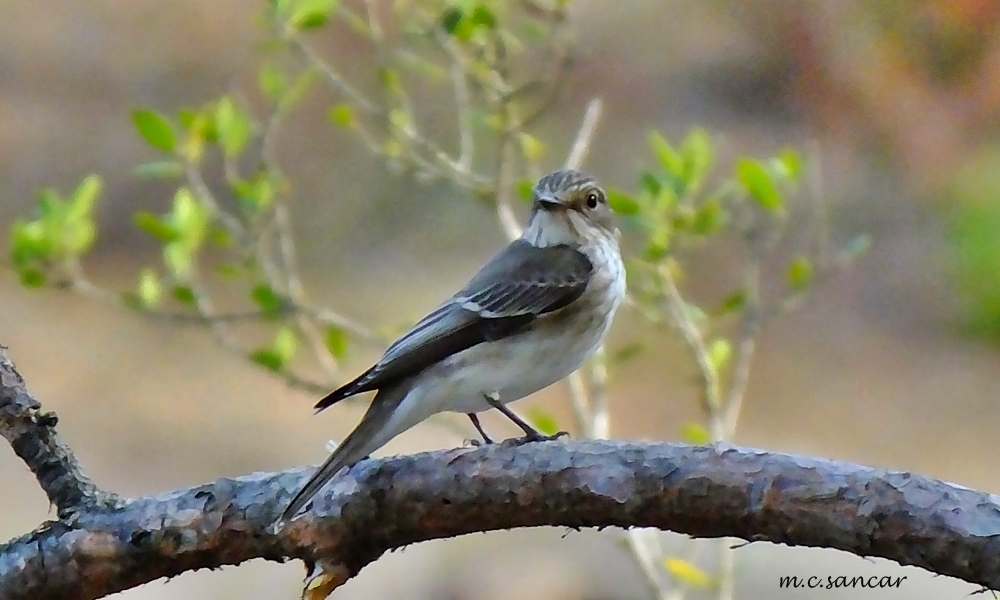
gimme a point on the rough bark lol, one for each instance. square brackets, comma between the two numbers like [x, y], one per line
[103, 545]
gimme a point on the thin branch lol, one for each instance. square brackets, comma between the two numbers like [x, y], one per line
[338, 81]
[585, 134]
[745, 345]
[682, 320]
[229, 222]
[502, 188]
[32, 435]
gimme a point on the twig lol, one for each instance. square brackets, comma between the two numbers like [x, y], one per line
[463, 102]
[585, 134]
[678, 308]
[338, 81]
[32, 435]
[502, 189]
[745, 345]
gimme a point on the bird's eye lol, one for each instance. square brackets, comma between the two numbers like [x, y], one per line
[592, 200]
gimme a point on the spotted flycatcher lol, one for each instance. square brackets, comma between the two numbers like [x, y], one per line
[527, 319]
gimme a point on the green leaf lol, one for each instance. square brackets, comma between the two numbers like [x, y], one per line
[336, 341]
[788, 164]
[687, 572]
[463, 22]
[625, 353]
[651, 183]
[524, 189]
[389, 79]
[535, 30]
[342, 114]
[255, 193]
[310, 14]
[267, 299]
[708, 218]
[30, 241]
[271, 82]
[658, 245]
[155, 226]
[155, 129]
[50, 205]
[188, 218]
[268, 358]
[31, 278]
[184, 294]
[733, 302]
[78, 236]
[398, 118]
[178, 257]
[148, 290]
[228, 270]
[220, 237]
[232, 126]
[696, 154]
[187, 117]
[451, 19]
[669, 159]
[280, 7]
[285, 344]
[800, 273]
[160, 169]
[81, 204]
[622, 203]
[719, 352]
[758, 182]
[482, 16]
[542, 421]
[693, 433]
[531, 147]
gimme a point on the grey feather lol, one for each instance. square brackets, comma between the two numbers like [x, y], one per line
[515, 287]
[356, 446]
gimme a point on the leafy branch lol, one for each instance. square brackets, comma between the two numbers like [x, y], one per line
[501, 66]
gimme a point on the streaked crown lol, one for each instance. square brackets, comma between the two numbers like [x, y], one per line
[559, 186]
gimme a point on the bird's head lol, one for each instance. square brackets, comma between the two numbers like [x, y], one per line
[569, 207]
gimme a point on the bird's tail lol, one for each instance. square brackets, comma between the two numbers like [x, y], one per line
[368, 436]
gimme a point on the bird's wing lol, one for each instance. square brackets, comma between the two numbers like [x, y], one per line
[515, 287]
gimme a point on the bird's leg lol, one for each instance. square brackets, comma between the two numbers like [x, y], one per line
[475, 421]
[530, 433]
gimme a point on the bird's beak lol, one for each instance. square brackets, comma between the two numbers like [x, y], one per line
[547, 203]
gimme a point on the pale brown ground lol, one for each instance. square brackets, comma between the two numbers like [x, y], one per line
[872, 370]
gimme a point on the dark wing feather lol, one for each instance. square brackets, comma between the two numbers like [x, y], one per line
[514, 288]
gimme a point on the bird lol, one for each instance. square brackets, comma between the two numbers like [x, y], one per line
[531, 316]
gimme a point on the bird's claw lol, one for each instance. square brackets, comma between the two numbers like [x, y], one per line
[479, 443]
[540, 437]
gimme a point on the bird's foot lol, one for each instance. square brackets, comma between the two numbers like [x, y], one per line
[475, 443]
[538, 436]
[479, 427]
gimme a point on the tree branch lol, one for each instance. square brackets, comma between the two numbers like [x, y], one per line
[385, 504]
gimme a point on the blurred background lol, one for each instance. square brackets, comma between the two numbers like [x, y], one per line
[892, 363]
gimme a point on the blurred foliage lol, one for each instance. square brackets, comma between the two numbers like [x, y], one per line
[974, 233]
[915, 82]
